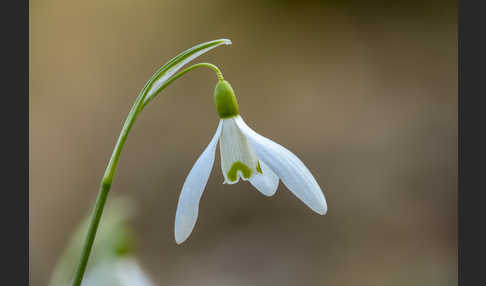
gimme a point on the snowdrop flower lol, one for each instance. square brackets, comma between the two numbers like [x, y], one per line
[114, 261]
[245, 155]
[119, 272]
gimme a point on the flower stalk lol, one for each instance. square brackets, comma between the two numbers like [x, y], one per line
[160, 80]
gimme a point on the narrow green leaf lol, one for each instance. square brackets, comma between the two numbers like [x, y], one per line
[152, 88]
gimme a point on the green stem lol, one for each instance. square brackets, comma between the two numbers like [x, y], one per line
[112, 164]
[181, 73]
[93, 226]
[105, 188]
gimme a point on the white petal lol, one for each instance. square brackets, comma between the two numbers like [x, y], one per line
[130, 273]
[117, 271]
[290, 169]
[266, 182]
[188, 206]
[235, 149]
[102, 274]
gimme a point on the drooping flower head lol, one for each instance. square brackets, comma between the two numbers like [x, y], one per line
[245, 155]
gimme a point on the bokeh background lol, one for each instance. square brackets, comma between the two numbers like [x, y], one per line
[364, 92]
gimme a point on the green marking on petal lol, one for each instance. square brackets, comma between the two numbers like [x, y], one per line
[259, 170]
[238, 166]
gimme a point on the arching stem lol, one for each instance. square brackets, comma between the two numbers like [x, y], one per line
[181, 73]
[107, 180]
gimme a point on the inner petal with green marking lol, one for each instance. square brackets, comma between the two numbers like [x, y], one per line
[238, 159]
[238, 166]
[258, 168]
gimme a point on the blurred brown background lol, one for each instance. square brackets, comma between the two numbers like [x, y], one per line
[365, 93]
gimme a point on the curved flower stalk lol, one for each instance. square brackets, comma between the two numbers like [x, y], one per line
[168, 70]
[245, 155]
[161, 79]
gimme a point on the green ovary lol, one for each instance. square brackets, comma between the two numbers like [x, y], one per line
[239, 166]
[225, 100]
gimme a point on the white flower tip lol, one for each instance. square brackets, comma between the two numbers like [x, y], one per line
[322, 210]
[180, 237]
[184, 225]
[321, 207]
[267, 189]
[317, 203]
[227, 41]
[268, 194]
